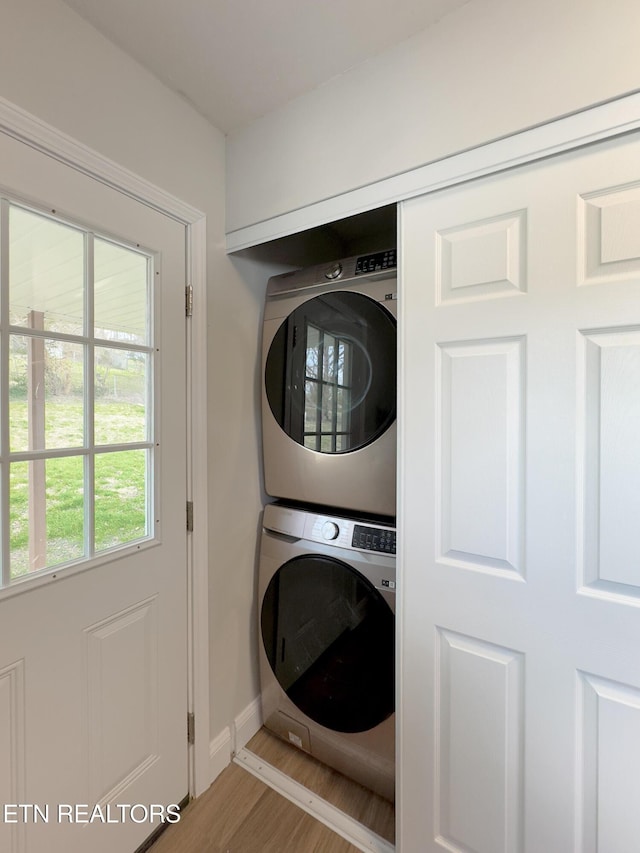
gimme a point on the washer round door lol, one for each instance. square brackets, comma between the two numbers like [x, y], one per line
[330, 373]
[329, 638]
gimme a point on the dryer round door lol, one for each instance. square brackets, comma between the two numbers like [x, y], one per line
[329, 638]
[330, 373]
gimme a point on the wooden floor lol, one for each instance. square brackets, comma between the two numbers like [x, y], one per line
[240, 814]
[359, 803]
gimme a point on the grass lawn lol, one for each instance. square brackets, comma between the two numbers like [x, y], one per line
[120, 492]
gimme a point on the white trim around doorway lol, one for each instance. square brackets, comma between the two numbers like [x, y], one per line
[21, 125]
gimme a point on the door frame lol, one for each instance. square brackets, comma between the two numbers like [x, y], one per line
[25, 127]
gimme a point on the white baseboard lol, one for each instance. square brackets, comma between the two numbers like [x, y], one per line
[233, 738]
[246, 724]
[219, 753]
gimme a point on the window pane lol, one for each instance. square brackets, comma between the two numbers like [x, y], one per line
[329, 356]
[310, 406]
[328, 408]
[326, 444]
[342, 414]
[46, 501]
[121, 300]
[343, 363]
[313, 344]
[46, 393]
[56, 362]
[121, 382]
[121, 497]
[46, 273]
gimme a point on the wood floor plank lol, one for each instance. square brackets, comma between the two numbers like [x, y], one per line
[274, 825]
[240, 814]
[208, 822]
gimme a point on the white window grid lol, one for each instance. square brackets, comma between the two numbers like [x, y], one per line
[89, 450]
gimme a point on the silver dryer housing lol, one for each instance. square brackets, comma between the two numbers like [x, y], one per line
[361, 480]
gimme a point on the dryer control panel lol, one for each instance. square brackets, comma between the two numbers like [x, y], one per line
[381, 539]
[376, 262]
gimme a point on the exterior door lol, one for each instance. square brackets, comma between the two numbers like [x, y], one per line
[520, 582]
[93, 635]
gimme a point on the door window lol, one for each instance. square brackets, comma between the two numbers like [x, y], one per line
[76, 378]
[331, 372]
[329, 637]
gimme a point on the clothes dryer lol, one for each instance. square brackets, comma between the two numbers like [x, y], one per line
[329, 390]
[327, 628]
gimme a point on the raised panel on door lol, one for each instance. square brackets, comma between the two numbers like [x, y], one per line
[479, 746]
[609, 751]
[519, 387]
[481, 442]
[609, 409]
[122, 674]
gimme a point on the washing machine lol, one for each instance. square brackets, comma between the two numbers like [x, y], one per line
[329, 390]
[326, 636]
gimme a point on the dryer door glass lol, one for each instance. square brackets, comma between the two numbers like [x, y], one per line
[329, 637]
[331, 372]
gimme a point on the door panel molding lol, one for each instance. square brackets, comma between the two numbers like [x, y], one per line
[12, 729]
[473, 672]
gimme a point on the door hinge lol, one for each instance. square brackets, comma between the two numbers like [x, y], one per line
[189, 516]
[188, 300]
[191, 728]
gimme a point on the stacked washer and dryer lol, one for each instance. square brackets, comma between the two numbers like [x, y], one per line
[327, 557]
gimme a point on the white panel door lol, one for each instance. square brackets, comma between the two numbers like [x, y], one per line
[93, 635]
[519, 696]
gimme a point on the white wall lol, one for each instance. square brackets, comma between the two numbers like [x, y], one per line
[235, 500]
[487, 70]
[57, 67]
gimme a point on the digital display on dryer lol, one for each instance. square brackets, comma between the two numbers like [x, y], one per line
[374, 539]
[378, 261]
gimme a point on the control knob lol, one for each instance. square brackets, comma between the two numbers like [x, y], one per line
[330, 530]
[334, 271]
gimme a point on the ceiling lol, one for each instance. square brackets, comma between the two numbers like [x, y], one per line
[47, 274]
[235, 60]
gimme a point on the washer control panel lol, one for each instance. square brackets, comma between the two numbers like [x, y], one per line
[330, 530]
[346, 533]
